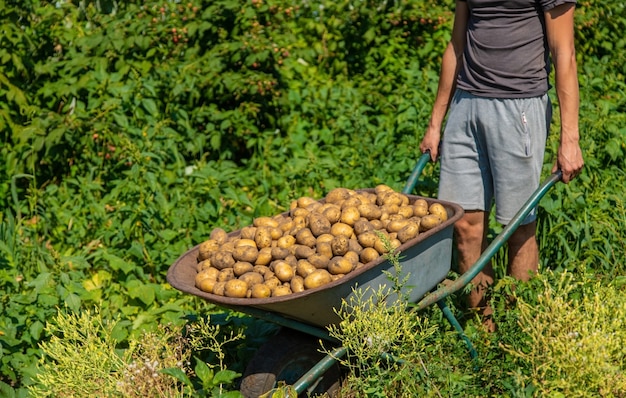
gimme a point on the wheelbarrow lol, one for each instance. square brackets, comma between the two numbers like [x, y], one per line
[293, 355]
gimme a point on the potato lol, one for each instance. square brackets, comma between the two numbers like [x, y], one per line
[377, 224]
[438, 210]
[222, 259]
[260, 291]
[291, 260]
[241, 267]
[369, 211]
[394, 198]
[316, 279]
[275, 233]
[352, 201]
[339, 245]
[286, 241]
[272, 282]
[382, 188]
[352, 256]
[409, 232]
[246, 253]
[299, 212]
[314, 207]
[299, 222]
[206, 285]
[396, 225]
[218, 288]
[297, 284]
[354, 246]
[252, 278]
[429, 222]
[367, 239]
[228, 246]
[406, 211]
[264, 222]
[202, 264]
[305, 201]
[365, 198]
[219, 235]
[336, 277]
[380, 244]
[225, 275]
[206, 248]
[264, 257]
[247, 232]
[208, 273]
[305, 237]
[240, 242]
[325, 238]
[324, 249]
[350, 215]
[319, 260]
[284, 272]
[261, 269]
[304, 268]
[282, 290]
[286, 224]
[332, 212]
[279, 253]
[263, 237]
[369, 254]
[318, 224]
[235, 288]
[342, 229]
[362, 226]
[302, 251]
[340, 265]
[337, 195]
[420, 208]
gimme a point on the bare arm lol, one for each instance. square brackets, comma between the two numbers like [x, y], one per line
[560, 34]
[450, 66]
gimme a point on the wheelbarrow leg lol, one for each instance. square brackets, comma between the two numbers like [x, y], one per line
[457, 326]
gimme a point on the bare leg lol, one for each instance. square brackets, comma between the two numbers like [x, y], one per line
[471, 237]
[523, 252]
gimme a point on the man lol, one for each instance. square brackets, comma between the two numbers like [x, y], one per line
[494, 83]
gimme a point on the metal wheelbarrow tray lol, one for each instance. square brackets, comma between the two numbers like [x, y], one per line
[425, 261]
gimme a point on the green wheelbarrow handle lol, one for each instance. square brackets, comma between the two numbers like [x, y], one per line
[415, 174]
[495, 245]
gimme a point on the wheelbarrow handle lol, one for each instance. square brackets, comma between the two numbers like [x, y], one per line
[495, 245]
[417, 171]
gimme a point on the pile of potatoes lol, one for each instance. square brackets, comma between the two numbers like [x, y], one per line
[315, 243]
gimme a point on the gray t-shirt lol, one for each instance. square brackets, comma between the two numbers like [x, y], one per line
[506, 53]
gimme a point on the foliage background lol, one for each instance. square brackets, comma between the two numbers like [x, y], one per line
[131, 129]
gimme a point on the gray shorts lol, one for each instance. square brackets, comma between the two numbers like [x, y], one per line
[493, 149]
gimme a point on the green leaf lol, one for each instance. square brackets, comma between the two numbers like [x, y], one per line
[178, 374]
[117, 263]
[6, 390]
[204, 373]
[225, 376]
[143, 292]
[150, 106]
[73, 301]
[35, 329]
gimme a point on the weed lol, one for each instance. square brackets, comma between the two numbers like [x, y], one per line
[576, 334]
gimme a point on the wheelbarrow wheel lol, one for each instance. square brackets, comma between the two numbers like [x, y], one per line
[287, 356]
